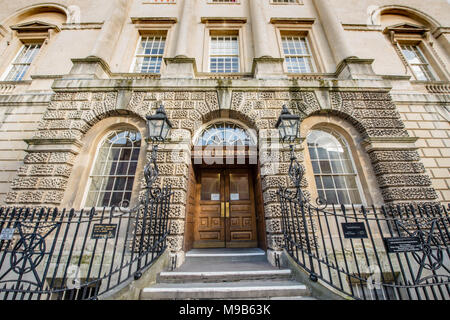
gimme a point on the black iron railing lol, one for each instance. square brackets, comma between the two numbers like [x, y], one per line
[51, 254]
[390, 253]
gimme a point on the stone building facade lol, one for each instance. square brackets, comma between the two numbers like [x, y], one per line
[391, 109]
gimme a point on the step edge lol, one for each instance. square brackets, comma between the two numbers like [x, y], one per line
[215, 255]
[225, 273]
[226, 289]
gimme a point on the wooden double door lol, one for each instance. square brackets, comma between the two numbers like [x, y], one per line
[225, 209]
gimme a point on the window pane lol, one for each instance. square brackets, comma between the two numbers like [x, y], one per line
[211, 187]
[110, 178]
[334, 172]
[149, 54]
[22, 62]
[225, 134]
[418, 63]
[239, 188]
[298, 57]
[224, 54]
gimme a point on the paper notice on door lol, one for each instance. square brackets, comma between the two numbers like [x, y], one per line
[234, 196]
[215, 196]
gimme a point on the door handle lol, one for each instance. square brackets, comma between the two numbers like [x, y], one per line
[228, 210]
[222, 210]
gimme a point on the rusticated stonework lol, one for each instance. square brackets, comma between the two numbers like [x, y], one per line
[44, 177]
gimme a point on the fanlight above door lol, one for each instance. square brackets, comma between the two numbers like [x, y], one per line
[225, 134]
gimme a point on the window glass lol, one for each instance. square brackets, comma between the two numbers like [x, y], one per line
[113, 175]
[210, 187]
[418, 63]
[225, 134]
[334, 173]
[224, 54]
[149, 54]
[239, 188]
[22, 62]
[297, 54]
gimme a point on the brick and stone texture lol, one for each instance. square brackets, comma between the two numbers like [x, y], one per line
[45, 174]
[430, 123]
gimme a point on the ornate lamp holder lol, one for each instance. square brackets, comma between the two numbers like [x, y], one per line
[288, 126]
[158, 128]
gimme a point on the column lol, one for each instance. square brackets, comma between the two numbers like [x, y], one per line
[187, 20]
[182, 66]
[96, 65]
[264, 65]
[348, 65]
[111, 30]
[334, 31]
[259, 28]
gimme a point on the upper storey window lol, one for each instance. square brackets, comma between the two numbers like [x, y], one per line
[223, 1]
[286, 1]
[160, 1]
[22, 62]
[149, 54]
[297, 54]
[414, 46]
[417, 62]
[224, 54]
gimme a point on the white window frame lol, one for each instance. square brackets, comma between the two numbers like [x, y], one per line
[17, 55]
[308, 47]
[422, 55]
[94, 161]
[159, 2]
[286, 2]
[135, 56]
[352, 161]
[238, 40]
[224, 2]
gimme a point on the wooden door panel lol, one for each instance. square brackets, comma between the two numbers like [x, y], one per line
[226, 209]
[241, 236]
[190, 210]
[210, 228]
[242, 220]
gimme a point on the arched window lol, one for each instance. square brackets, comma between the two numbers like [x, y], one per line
[334, 171]
[113, 174]
[225, 134]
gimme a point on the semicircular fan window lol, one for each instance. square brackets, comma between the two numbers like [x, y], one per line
[225, 134]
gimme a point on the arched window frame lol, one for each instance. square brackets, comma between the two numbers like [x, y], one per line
[251, 133]
[343, 141]
[105, 136]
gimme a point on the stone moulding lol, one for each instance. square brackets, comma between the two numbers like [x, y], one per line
[154, 20]
[302, 21]
[221, 20]
[438, 87]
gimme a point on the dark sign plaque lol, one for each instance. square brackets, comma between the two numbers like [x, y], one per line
[354, 230]
[104, 231]
[403, 244]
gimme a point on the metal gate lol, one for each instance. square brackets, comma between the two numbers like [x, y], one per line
[390, 253]
[51, 254]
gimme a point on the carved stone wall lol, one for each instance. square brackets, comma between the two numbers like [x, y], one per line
[47, 168]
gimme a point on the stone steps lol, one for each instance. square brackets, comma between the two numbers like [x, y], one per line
[226, 274]
[224, 290]
[223, 276]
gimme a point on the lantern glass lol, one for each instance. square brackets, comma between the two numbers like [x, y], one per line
[165, 130]
[290, 128]
[288, 125]
[155, 127]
